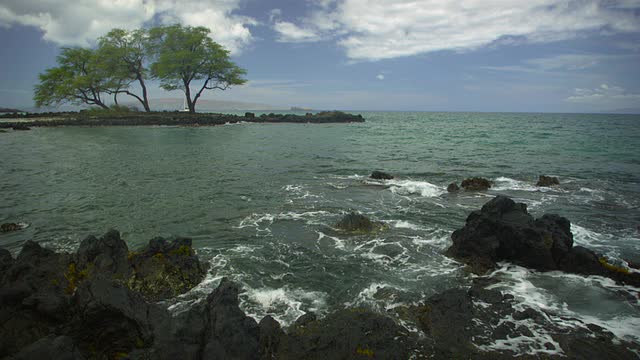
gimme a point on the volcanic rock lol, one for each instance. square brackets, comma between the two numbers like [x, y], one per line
[379, 175]
[8, 227]
[547, 181]
[475, 184]
[358, 223]
[453, 187]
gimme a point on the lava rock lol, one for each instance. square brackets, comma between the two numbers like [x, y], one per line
[547, 181]
[453, 187]
[379, 175]
[106, 255]
[270, 335]
[475, 184]
[504, 230]
[249, 115]
[8, 227]
[165, 268]
[21, 127]
[358, 223]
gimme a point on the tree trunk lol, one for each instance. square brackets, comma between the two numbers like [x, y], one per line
[115, 98]
[145, 99]
[191, 104]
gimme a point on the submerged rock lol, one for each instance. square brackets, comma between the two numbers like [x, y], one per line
[358, 223]
[8, 227]
[547, 181]
[379, 175]
[453, 187]
[475, 184]
[19, 126]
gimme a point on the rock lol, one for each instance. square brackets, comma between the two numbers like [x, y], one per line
[165, 268]
[19, 126]
[8, 227]
[453, 187]
[358, 223]
[249, 115]
[348, 334]
[51, 347]
[305, 319]
[379, 175]
[504, 230]
[106, 256]
[229, 333]
[475, 184]
[270, 335]
[547, 181]
[6, 260]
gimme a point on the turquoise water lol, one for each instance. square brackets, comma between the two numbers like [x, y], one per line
[259, 201]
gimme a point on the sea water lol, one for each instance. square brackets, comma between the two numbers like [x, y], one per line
[260, 202]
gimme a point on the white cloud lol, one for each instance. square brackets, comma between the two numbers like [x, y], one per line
[290, 32]
[81, 22]
[381, 29]
[380, 77]
[604, 96]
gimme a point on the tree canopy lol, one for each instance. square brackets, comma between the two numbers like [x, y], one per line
[183, 54]
[177, 56]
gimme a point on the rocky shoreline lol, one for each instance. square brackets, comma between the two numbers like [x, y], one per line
[167, 119]
[102, 303]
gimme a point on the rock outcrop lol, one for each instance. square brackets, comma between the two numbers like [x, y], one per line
[359, 224]
[504, 230]
[9, 227]
[453, 187]
[475, 184]
[380, 175]
[547, 181]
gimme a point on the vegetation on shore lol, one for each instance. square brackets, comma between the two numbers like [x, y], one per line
[177, 56]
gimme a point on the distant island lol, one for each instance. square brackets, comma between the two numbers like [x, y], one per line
[175, 118]
[296, 108]
[7, 110]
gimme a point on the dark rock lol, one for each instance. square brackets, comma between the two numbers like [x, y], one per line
[104, 256]
[8, 227]
[504, 230]
[527, 313]
[165, 268]
[229, 334]
[249, 115]
[270, 335]
[453, 187]
[6, 260]
[348, 334]
[547, 181]
[475, 184]
[20, 126]
[305, 319]
[357, 223]
[51, 347]
[379, 175]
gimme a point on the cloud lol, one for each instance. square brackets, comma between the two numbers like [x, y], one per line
[81, 22]
[382, 29]
[290, 32]
[380, 77]
[604, 96]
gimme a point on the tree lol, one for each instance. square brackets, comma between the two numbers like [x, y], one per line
[184, 54]
[123, 54]
[79, 79]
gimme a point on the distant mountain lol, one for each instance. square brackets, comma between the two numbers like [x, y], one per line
[7, 110]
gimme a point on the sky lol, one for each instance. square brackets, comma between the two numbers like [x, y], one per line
[419, 55]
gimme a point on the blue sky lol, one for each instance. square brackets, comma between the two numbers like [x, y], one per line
[432, 55]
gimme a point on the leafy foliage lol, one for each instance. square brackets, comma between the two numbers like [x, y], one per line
[184, 54]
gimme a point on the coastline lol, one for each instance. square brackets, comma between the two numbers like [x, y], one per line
[169, 119]
[102, 302]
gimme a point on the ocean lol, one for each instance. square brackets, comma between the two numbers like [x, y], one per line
[260, 200]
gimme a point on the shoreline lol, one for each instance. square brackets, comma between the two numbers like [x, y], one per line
[170, 119]
[102, 302]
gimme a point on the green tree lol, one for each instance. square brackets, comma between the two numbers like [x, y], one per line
[79, 79]
[183, 54]
[123, 54]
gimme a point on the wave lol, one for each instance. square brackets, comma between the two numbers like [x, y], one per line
[504, 183]
[285, 304]
[412, 187]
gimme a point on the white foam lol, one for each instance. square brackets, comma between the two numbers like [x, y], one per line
[403, 224]
[339, 243]
[367, 297]
[285, 304]
[262, 222]
[411, 187]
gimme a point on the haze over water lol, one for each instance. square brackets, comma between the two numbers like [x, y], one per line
[260, 202]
